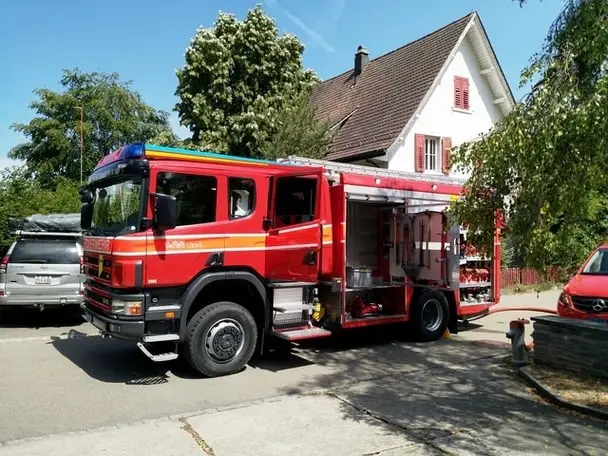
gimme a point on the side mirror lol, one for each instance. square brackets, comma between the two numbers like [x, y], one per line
[87, 196]
[165, 212]
[86, 216]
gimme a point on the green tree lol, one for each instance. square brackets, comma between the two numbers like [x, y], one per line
[21, 196]
[114, 115]
[241, 84]
[299, 132]
[544, 165]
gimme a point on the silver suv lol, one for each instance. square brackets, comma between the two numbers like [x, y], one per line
[43, 270]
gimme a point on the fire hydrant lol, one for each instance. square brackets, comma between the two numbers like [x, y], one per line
[517, 334]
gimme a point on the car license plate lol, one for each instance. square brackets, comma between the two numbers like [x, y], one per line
[42, 280]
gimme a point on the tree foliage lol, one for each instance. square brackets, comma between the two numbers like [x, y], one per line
[544, 165]
[114, 115]
[241, 84]
[21, 196]
[299, 132]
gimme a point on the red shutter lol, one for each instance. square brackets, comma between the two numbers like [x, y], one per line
[446, 155]
[457, 92]
[464, 85]
[419, 153]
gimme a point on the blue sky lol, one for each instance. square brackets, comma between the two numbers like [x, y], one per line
[144, 40]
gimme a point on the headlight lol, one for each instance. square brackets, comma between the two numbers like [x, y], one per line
[122, 307]
[564, 299]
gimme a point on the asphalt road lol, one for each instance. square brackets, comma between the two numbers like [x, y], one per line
[57, 375]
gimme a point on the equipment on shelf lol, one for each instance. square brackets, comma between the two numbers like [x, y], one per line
[362, 307]
[474, 275]
[358, 277]
[475, 295]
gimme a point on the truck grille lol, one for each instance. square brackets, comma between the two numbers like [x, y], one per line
[590, 305]
[97, 297]
[92, 268]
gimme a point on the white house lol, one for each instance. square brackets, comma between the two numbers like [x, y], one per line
[406, 109]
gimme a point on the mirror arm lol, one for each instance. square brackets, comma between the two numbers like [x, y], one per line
[146, 223]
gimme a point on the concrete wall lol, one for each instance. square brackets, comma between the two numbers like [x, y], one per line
[439, 118]
[574, 345]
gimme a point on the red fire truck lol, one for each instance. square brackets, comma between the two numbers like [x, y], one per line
[211, 256]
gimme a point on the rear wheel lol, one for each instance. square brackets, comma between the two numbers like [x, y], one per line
[220, 339]
[430, 316]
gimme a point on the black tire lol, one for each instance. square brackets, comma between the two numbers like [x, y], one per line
[220, 322]
[430, 316]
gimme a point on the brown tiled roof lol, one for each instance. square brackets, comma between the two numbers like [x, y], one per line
[385, 95]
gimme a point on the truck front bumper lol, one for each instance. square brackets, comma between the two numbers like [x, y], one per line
[120, 328]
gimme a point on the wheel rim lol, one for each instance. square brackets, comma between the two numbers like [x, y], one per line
[432, 315]
[225, 340]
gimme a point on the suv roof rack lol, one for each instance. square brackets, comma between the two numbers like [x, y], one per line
[22, 233]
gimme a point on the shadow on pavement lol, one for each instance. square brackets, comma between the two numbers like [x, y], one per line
[118, 361]
[455, 396]
[110, 360]
[35, 319]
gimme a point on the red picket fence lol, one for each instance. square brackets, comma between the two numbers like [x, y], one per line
[525, 276]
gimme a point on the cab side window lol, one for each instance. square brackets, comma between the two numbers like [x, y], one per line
[296, 199]
[196, 196]
[241, 194]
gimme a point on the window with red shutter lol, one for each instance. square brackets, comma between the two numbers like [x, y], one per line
[465, 93]
[446, 151]
[457, 93]
[461, 93]
[419, 153]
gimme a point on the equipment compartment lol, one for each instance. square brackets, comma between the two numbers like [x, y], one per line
[476, 275]
[371, 290]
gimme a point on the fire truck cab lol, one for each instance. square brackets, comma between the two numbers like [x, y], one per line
[207, 256]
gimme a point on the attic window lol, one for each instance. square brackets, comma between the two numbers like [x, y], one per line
[461, 93]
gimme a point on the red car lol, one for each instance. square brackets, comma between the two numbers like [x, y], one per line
[586, 295]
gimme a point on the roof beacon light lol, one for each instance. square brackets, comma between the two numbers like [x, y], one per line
[135, 150]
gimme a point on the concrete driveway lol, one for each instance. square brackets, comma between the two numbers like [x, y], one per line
[454, 395]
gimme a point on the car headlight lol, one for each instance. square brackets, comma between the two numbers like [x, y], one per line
[564, 299]
[122, 307]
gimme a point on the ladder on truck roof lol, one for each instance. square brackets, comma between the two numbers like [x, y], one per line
[371, 171]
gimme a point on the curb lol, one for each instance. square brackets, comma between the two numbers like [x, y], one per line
[546, 393]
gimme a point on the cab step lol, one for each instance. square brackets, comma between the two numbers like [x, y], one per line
[161, 357]
[293, 335]
[161, 338]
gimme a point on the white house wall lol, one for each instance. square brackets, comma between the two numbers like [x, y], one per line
[439, 118]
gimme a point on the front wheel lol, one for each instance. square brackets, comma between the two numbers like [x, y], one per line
[220, 339]
[430, 316]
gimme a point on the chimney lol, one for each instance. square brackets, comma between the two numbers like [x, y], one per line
[361, 59]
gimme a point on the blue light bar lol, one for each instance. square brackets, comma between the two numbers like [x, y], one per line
[135, 150]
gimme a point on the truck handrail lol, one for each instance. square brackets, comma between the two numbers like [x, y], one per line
[371, 171]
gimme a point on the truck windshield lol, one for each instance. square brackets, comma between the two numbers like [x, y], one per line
[116, 209]
[598, 264]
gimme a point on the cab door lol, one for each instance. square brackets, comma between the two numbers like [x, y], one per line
[197, 242]
[293, 243]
